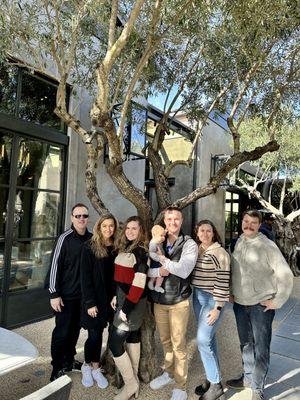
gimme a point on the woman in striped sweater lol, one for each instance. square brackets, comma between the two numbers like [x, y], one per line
[130, 304]
[210, 281]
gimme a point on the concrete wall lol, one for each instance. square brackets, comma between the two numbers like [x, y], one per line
[214, 141]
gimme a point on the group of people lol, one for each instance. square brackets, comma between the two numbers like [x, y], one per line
[106, 279]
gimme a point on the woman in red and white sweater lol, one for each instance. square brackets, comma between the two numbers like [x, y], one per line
[129, 303]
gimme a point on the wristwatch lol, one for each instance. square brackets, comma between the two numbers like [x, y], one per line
[219, 308]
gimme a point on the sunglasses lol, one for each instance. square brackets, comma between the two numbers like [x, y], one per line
[78, 216]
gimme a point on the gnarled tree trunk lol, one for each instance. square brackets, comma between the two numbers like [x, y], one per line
[287, 239]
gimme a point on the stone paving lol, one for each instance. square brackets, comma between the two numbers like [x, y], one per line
[283, 378]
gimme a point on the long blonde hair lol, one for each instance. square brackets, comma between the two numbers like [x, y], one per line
[97, 243]
[141, 240]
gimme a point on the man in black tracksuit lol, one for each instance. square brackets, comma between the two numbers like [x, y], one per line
[64, 289]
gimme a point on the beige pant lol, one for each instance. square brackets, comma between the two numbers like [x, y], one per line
[172, 324]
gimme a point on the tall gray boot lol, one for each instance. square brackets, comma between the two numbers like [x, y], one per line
[134, 352]
[131, 385]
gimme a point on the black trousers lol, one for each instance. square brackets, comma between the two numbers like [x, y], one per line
[93, 345]
[65, 334]
[118, 337]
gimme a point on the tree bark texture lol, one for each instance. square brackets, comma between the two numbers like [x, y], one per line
[286, 233]
[91, 180]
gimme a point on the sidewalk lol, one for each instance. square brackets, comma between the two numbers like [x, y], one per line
[283, 379]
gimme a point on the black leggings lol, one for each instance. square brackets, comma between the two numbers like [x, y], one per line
[93, 345]
[118, 337]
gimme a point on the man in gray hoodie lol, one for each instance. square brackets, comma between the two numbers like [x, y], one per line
[262, 282]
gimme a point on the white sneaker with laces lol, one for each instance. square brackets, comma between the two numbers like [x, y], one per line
[179, 394]
[102, 382]
[87, 378]
[161, 381]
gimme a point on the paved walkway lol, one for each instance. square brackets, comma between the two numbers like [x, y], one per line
[283, 381]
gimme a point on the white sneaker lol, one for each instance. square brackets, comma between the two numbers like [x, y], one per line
[161, 381]
[150, 285]
[87, 378]
[102, 382]
[179, 394]
[159, 289]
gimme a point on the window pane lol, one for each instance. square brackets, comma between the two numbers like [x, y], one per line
[29, 264]
[38, 101]
[8, 89]
[235, 207]
[228, 207]
[176, 146]
[2, 245]
[138, 129]
[36, 214]
[39, 165]
[5, 157]
[3, 211]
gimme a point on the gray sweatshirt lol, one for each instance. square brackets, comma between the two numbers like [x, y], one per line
[259, 272]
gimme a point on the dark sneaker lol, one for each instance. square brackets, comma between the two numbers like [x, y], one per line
[201, 389]
[56, 374]
[75, 366]
[238, 383]
[258, 395]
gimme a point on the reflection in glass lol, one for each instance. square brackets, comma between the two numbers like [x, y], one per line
[2, 244]
[38, 101]
[37, 214]
[3, 211]
[39, 165]
[138, 129]
[30, 264]
[176, 146]
[5, 157]
[8, 89]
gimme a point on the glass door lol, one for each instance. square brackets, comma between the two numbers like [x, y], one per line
[30, 219]
[6, 144]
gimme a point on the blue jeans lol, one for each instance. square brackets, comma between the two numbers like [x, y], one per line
[203, 303]
[255, 332]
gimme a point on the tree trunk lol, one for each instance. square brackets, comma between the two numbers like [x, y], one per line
[148, 368]
[287, 242]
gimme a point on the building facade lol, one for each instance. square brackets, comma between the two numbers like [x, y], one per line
[42, 177]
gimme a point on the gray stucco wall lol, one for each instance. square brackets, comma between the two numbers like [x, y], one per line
[215, 140]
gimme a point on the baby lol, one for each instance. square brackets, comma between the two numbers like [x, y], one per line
[156, 250]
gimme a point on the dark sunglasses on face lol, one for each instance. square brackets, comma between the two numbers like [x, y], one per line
[78, 216]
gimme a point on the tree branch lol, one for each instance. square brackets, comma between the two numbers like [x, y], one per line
[112, 23]
[137, 73]
[234, 161]
[293, 215]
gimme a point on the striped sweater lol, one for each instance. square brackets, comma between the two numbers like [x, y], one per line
[212, 273]
[130, 275]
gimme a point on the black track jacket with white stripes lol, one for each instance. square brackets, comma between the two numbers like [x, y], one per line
[63, 278]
